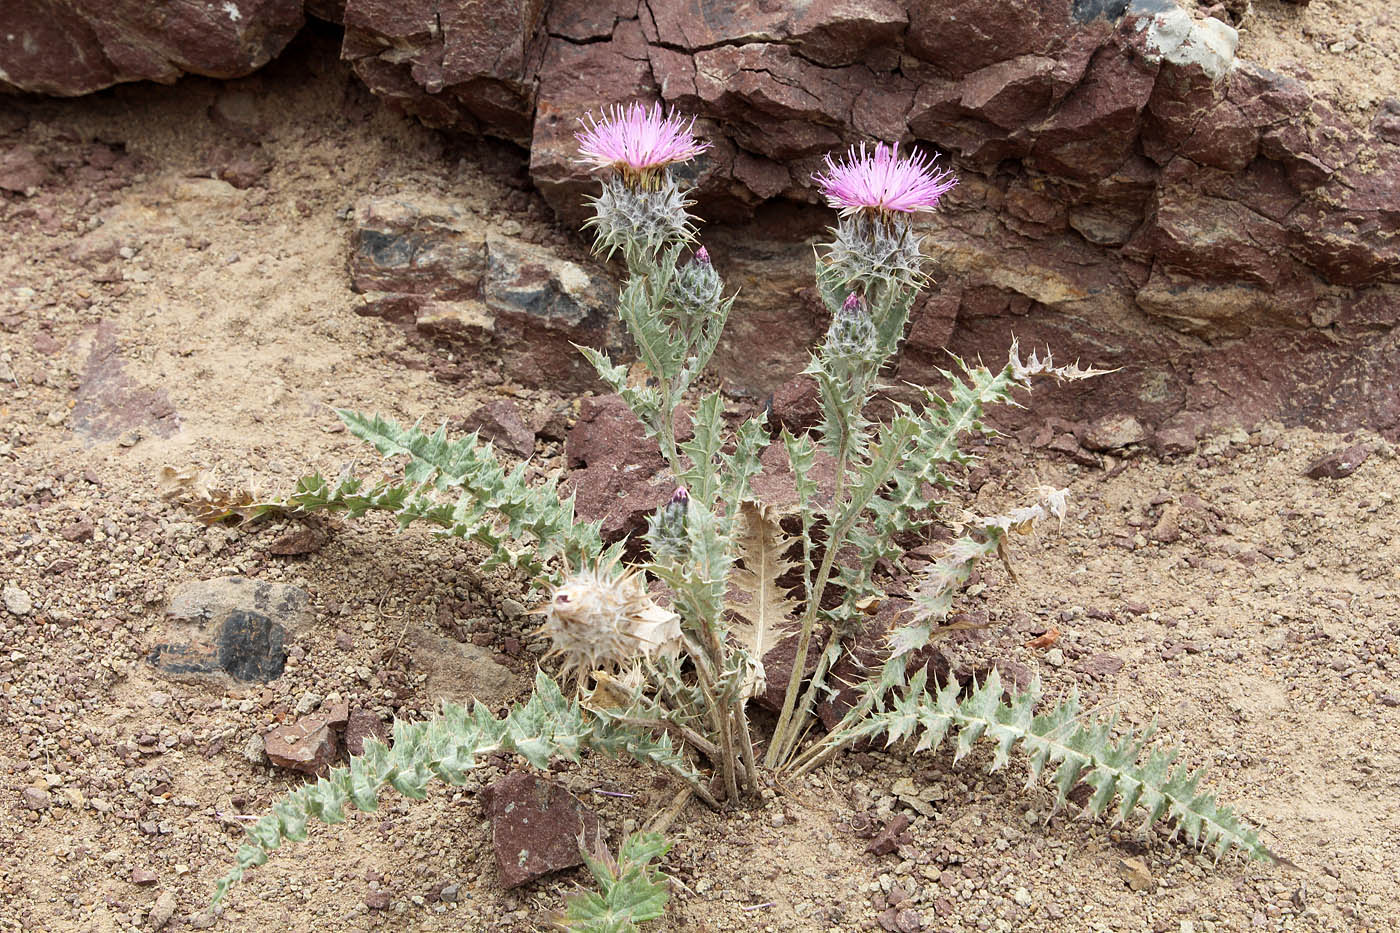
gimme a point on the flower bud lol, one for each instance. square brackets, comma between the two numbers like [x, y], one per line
[697, 286]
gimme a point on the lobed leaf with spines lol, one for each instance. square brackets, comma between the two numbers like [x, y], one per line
[446, 747]
[1061, 739]
[523, 526]
[631, 889]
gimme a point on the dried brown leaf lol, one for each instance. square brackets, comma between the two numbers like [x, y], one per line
[761, 545]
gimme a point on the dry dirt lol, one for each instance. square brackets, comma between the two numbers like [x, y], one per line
[1263, 639]
[1349, 52]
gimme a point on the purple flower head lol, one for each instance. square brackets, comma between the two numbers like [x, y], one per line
[702, 256]
[883, 181]
[853, 305]
[679, 497]
[637, 140]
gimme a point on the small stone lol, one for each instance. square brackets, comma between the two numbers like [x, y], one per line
[36, 799]
[1113, 432]
[777, 819]
[1099, 666]
[450, 892]
[361, 725]
[500, 423]
[1022, 897]
[16, 600]
[143, 876]
[535, 826]
[1174, 440]
[306, 540]
[1339, 464]
[308, 703]
[1055, 657]
[1134, 872]
[158, 699]
[891, 837]
[307, 745]
[21, 171]
[377, 900]
[255, 749]
[163, 910]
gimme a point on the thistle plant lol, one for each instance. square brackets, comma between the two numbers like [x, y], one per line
[660, 659]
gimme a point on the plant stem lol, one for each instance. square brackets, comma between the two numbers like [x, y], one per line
[780, 743]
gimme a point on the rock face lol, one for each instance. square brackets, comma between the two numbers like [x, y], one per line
[64, 48]
[1131, 192]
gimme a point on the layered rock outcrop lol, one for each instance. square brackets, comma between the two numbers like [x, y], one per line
[1132, 192]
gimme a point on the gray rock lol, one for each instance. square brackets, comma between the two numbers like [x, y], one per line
[163, 910]
[36, 798]
[230, 627]
[422, 260]
[17, 601]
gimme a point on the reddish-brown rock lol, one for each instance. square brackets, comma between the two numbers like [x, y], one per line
[1130, 193]
[500, 423]
[617, 473]
[68, 48]
[307, 745]
[535, 827]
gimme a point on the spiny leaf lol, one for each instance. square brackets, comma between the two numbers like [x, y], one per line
[447, 746]
[631, 889]
[1079, 750]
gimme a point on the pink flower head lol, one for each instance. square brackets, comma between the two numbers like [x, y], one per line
[637, 140]
[883, 181]
[702, 256]
[854, 304]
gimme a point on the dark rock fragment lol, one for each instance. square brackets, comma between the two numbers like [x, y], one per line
[535, 827]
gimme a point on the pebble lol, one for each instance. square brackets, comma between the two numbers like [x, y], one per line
[158, 699]
[37, 799]
[1055, 657]
[1022, 897]
[16, 600]
[163, 910]
[143, 876]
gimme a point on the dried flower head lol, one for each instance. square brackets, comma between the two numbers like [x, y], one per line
[637, 141]
[883, 181]
[596, 620]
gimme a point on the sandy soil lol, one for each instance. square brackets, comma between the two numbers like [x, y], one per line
[216, 331]
[1348, 52]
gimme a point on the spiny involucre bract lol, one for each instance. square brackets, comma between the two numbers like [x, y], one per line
[600, 618]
